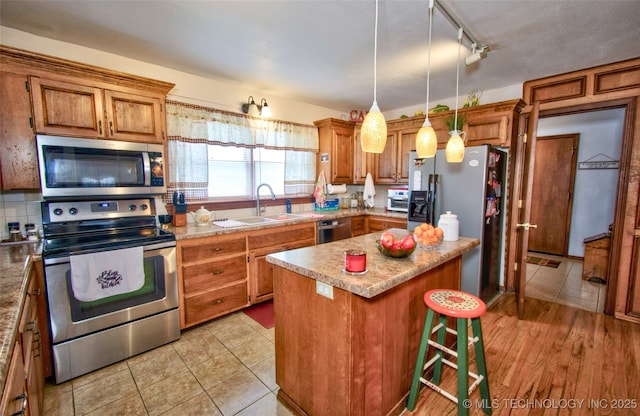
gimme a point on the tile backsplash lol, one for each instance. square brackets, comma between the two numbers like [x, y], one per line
[19, 206]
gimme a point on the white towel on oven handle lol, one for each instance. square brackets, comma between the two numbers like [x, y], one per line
[107, 273]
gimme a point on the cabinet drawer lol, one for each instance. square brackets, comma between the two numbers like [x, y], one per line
[215, 303]
[279, 237]
[213, 249]
[381, 224]
[202, 276]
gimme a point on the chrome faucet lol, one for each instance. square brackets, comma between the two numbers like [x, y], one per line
[273, 196]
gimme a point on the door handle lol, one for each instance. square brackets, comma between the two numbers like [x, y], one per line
[526, 226]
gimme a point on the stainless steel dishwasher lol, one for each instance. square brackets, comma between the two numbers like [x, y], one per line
[332, 230]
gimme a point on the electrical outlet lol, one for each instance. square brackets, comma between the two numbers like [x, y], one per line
[324, 289]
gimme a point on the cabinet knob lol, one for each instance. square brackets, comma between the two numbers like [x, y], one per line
[215, 272]
[215, 302]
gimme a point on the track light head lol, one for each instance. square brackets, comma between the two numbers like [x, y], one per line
[477, 53]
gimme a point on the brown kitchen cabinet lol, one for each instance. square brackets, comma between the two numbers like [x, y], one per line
[24, 385]
[493, 124]
[18, 154]
[358, 225]
[272, 240]
[212, 277]
[363, 161]
[336, 150]
[382, 223]
[79, 108]
[392, 165]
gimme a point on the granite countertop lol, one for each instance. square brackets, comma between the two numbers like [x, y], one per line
[325, 263]
[15, 267]
[194, 231]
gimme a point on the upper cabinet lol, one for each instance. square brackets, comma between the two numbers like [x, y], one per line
[80, 109]
[45, 94]
[336, 150]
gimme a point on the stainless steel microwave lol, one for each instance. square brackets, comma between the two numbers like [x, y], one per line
[83, 168]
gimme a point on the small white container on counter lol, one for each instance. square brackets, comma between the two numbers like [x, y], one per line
[450, 226]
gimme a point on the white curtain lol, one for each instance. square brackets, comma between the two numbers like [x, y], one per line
[192, 128]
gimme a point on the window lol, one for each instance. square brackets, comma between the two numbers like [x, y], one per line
[235, 172]
[215, 154]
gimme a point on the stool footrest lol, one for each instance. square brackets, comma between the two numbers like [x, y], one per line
[477, 379]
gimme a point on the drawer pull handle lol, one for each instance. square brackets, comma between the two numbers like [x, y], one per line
[100, 127]
[215, 302]
[23, 409]
[215, 272]
[218, 249]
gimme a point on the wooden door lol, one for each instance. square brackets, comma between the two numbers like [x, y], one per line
[552, 194]
[133, 117]
[67, 109]
[342, 156]
[384, 170]
[18, 154]
[406, 143]
[525, 168]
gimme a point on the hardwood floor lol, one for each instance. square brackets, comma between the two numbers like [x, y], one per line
[557, 360]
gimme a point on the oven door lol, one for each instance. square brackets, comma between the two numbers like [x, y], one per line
[71, 318]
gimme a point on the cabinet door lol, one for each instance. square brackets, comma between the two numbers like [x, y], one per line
[14, 395]
[358, 226]
[363, 161]
[342, 157]
[488, 128]
[67, 109]
[18, 155]
[385, 163]
[406, 143]
[133, 117]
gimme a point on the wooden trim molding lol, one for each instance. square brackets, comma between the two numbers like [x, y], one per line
[34, 61]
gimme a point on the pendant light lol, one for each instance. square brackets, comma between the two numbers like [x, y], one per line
[373, 133]
[426, 140]
[455, 145]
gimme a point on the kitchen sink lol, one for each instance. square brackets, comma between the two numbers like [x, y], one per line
[268, 218]
[255, 220]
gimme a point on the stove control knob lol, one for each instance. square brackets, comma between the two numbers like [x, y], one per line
[73, 211]
[143, 207]
[132, 207]
[57, 211]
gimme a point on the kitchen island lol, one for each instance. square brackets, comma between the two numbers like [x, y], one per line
[347, 344]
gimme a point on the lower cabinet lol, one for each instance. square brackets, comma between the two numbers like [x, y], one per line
[273, 240]
[381, 223]
[212, 275]
[24, 392]
[358, 225]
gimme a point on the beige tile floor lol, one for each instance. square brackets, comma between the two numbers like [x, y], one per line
[225, 367]
[564, 285]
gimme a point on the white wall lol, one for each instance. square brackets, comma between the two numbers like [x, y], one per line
[594, 190]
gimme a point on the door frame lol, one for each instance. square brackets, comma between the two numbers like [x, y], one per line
[629, 105]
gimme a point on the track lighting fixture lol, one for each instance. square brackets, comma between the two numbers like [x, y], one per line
[477, 53]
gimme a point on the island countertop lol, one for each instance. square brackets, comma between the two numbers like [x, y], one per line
[325, 263]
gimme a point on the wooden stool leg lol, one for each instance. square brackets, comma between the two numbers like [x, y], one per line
[437, 368]
[482, 367]
[420, 361]
[463, 367]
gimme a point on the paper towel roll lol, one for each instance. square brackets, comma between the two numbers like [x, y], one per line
[336, 189]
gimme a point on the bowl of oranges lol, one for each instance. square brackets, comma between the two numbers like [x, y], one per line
[427, 236]
[396, 246]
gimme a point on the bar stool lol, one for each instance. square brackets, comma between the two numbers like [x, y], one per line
[462, 306]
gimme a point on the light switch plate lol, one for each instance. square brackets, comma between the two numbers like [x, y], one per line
[324, 289]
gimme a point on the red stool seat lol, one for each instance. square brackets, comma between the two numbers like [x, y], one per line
[454, 303]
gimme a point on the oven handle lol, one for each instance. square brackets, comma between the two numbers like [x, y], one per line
[156, 246]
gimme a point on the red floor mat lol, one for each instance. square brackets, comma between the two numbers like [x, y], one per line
[262, 313]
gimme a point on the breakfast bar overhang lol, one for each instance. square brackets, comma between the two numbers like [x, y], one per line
[347, 344]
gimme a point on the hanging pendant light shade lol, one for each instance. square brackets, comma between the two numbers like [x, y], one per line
[426, 140]
[455, 146]
[373, 134]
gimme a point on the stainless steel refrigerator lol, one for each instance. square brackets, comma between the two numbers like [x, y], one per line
[474, 191]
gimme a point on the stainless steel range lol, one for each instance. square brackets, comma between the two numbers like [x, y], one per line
[111, 282]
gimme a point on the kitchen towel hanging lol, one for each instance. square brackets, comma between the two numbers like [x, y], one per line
[107, 273]
[320, 193]
[369, 192]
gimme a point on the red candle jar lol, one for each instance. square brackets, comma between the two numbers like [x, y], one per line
[355, 261]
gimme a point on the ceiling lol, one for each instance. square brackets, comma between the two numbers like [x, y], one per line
[322, 52]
